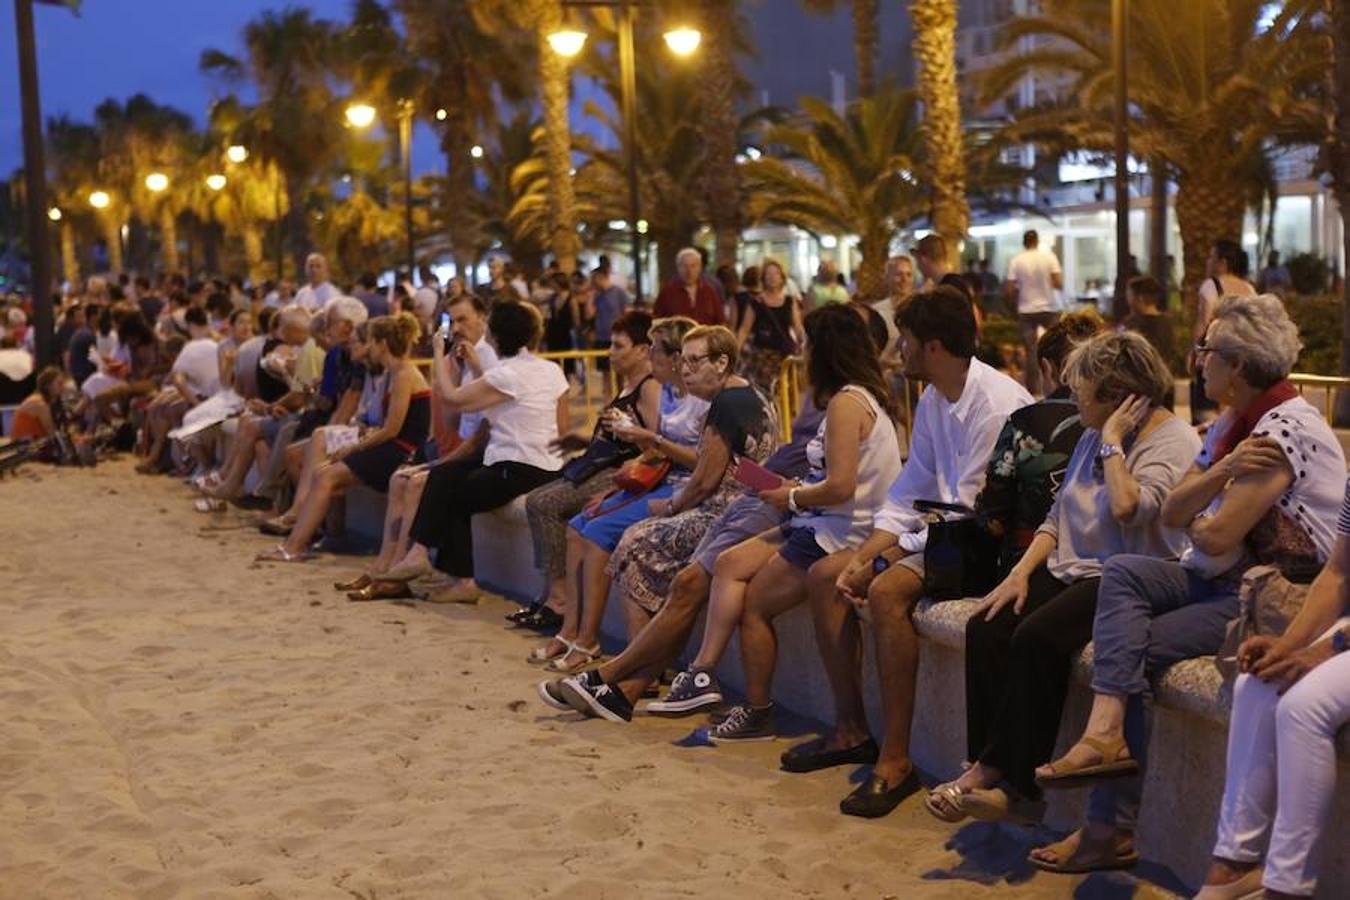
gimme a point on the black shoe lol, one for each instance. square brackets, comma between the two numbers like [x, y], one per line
[745, 723]
[690, 692]
[812, 756]
[251, 501]
[591, 696]
[522, 613]
[542, 620]
[876, 797]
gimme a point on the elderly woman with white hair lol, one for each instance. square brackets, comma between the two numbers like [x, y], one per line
[1264, 490]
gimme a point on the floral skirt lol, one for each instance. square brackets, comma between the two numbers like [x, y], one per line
[653, 551]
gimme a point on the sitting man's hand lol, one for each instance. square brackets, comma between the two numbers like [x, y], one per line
[854, 581]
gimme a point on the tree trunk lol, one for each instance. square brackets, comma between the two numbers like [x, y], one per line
[935, 49]
[70, 262]
[253, 253]
[112, 234]
[297, 231]
[168, 238]
[1339, 158]
[1207, 209]
[1157, 240]
[719, 130]
[872, 272]
[554, 77]
[456, 142]
[866, 38]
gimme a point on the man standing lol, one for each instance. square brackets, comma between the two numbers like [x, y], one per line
[689, 295]
[956, 423]
[826, 287]
[610, 302]
[1034, 276]
[318, 290]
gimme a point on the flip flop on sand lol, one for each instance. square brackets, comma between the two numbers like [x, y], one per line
[1076, 854]
[950, 803]
[279, 554]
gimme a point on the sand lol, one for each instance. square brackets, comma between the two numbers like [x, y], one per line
[179, 722]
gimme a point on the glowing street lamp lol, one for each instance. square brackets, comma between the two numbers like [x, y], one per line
[441, 114]
[476, 151]
[215, 181]
[157, 181]
[683, 41]
[54, 214]
[99, 199]
[236, 153]
[360, 115]
[567, 42]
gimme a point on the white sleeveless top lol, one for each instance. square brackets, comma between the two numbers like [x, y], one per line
[848, 524]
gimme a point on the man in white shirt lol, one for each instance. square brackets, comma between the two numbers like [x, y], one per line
[956, 423]
[426, 299]
[900, 280]
[194, 377]
[319, 290]
[1034, 278]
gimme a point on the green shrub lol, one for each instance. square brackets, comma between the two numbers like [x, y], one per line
[1319, 325]
[1308, 272]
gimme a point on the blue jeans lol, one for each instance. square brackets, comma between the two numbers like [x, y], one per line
[1151, 613]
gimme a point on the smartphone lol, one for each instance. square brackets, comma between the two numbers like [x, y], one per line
[445, 323]
[754, 476]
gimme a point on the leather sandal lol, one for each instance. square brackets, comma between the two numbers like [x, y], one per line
[1089, 856]
[382, 590]
[361, 581]
[541, 654]
[1116, 762]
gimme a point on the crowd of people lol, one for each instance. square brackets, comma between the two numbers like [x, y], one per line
[1072, 501]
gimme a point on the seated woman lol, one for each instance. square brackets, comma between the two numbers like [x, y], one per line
[374, 457]
[591, 474]
[524, 399]
[854, 457]
[1288, 705]
[1265, 488]
[740, 423]
[35, 417]
[594, 532]
[1024, 636]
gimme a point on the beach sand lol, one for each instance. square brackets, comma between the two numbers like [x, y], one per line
[180, 722]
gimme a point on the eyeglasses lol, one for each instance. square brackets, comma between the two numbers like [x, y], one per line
[693, 361]
[1202, 347]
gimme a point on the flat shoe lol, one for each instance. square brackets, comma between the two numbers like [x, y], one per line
[876, 797]
[544, 620]
[812, 756]
[1248, 887]
[1090, 856]
[382, 590]
[1115, 763]
[522, 613]
[356, 584]
[275, 527]
[946, 802]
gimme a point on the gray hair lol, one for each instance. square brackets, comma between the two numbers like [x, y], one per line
[689, 251]
[1256, 334]
[293, 315]
[1117, 364]
[347, 309]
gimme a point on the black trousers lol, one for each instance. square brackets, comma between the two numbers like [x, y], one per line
[454, 492]
[1017, 675]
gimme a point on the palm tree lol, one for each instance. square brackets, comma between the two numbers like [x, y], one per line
[857, 174]
[72, 157]
[1211, 82]
[935, 50]
[866, 37]
[297, 120]
[554, 81]
[721, 85]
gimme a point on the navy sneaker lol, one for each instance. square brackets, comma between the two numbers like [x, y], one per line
[589, 695]
[689, 692]
[745, 723]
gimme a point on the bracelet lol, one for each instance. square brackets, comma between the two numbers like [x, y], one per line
[792, 499]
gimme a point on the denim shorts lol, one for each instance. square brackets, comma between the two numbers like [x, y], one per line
[616, 514]
[800, 547]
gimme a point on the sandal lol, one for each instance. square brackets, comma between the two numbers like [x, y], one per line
[468, 594]
[542, 620]
[946, 802]
[356, 584]
[277, 527]
[208, 505]
[589, 657]
[524, 612]
[279, 554]
[1088, 856]
[382, 590]
[541, 655]
[1116, 762]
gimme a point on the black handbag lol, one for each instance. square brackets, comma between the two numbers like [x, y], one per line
[601, 453]
[960, 557]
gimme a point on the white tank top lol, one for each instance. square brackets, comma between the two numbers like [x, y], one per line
[848, 524]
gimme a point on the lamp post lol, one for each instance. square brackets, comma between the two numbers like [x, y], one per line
[569, 42]
[362, 115]
[35, 184]
[1119, 28]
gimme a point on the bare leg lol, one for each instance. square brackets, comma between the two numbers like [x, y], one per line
[313, 453]
[1106, 722]
[241, 454]
[891, 597]
[776, 587]
[595, 582]
[393, 519]
[572, 586]
[839, 639]
[332, 480]
[413, 496]
[731, 576]
[656, 645]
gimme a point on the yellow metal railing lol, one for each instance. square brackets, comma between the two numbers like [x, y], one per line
[1328, 384]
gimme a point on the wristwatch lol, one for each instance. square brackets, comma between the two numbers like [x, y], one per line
[1340, 640]
[1106, 451]
[880, 564]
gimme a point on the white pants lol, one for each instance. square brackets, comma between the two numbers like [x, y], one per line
[1282, 767]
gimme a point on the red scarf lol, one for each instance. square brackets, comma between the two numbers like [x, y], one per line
[1245, 421]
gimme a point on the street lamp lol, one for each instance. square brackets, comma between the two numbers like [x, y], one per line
[54, 214]
[476, 151]
[236, 153]
[362, 115]
[99, 199]
[215, 181]
[568, 42]
[156, 181]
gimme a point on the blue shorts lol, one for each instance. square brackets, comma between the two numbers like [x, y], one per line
[624, 510]
[800, 547]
